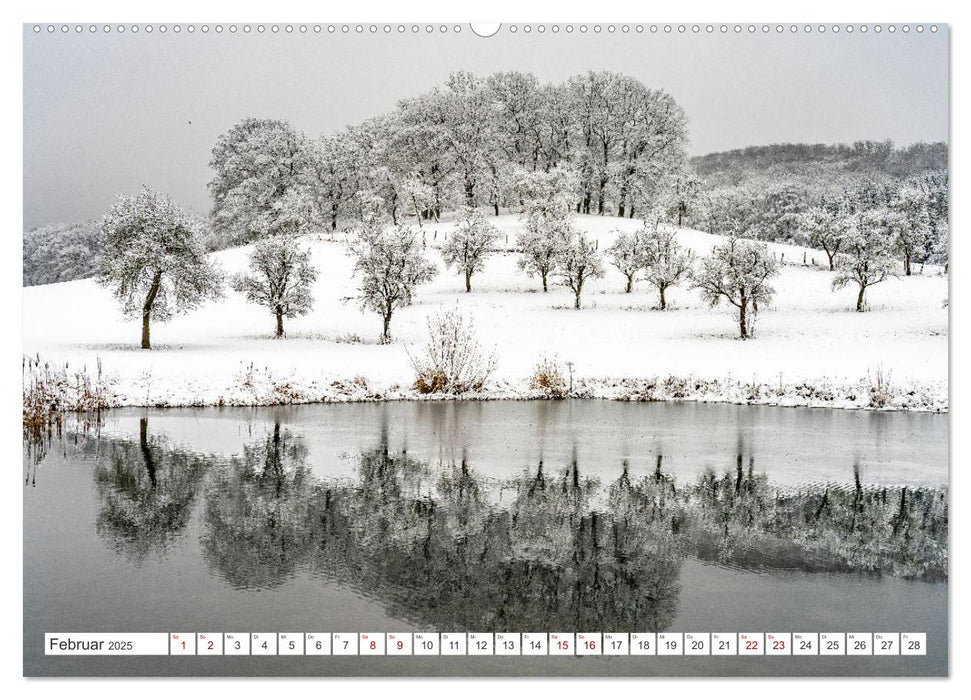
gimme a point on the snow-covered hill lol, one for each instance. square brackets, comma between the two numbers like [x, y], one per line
[811, 347]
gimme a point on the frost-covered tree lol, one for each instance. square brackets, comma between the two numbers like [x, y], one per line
[390, 265]
[827, 228]
[738, 271]
[910, 223]
[469, 245]
[419, 196]
[542, 240]
[256, 163]
[665, 261]
[625, 254]
[280, 277]
[546, 220]
[153, 259]
[579, 262]
[867, 257]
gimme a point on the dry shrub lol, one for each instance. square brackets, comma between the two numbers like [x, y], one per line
[548, 378]
[881, 390]
[51, 391]
[452, 361]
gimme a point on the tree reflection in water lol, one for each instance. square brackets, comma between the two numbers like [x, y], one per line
[146, 492]
[446, 548]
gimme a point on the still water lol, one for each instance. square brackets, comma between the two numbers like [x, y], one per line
[490, 516]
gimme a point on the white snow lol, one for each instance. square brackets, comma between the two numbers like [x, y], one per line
[225, 352]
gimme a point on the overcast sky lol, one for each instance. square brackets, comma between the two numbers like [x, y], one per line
[104, 114]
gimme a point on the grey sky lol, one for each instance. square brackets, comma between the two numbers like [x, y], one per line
[104, 114]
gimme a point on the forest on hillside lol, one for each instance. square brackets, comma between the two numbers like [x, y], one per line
[612, 145]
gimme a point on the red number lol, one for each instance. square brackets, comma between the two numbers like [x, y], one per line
[752, 645]
[401, 645]
[779, 645]
[210, 646]
[374, 645]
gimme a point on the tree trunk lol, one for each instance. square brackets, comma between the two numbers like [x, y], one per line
[543, 275]
[832, 257]
[680, 217]
[576, 304]
[632, 211]
[621, 208]
[742, 320]
[664, 303]
[859, 298]
[468, 281]
[279, 322]
[147, 311]
[146, 451]
[630, 284]
[495, 206]
[386, 333]
[907, 264]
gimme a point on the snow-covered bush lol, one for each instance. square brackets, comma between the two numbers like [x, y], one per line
[665, 262]
[452, 361]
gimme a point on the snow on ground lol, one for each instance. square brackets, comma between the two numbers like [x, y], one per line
[617, 344]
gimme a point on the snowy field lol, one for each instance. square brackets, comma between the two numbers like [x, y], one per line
[811, 348]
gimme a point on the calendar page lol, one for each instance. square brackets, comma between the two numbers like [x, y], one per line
[520, 349]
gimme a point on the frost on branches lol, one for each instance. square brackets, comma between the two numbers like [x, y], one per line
[579, 261]
[867, 258]
[665, 262]
[547, 222]
[153, 259]
[452, 361]
[738, 271]
[471, 242]
[390, 265]
[280, 278]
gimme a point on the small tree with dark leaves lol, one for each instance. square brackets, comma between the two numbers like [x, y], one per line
[153, 259]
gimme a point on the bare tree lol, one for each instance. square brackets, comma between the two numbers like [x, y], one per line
[738, 271]
[471, 242]
[153, 259]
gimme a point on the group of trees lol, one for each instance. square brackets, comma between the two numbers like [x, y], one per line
[598, 143]
[465, 143]
[788, 192]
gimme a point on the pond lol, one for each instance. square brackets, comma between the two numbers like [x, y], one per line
[576, 515]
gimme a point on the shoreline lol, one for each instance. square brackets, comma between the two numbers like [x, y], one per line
[822, 394]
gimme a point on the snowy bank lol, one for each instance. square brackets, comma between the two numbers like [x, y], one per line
[811, 348]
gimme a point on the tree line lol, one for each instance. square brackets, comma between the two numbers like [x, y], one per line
[464, 143]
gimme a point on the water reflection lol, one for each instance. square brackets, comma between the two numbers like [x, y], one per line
[146, 491]
[552, 548]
